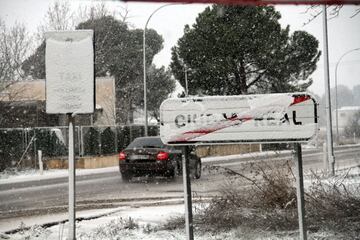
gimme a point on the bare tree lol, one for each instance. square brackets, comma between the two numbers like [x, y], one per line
[334, 10]
[92, 12]
[15, 44]
[100, 10]
[59, 16]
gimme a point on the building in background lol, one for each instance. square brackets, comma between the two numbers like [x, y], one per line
[23, 105]
[345, 115]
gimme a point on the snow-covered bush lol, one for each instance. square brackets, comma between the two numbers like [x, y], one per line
[111, 230]
[264, 198]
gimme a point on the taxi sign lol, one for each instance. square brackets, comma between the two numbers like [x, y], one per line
[69, 64]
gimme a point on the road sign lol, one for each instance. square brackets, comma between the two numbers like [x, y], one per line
[70, 89]
[69, 63]
[268, 118]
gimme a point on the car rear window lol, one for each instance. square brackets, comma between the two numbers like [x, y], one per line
[146, 143]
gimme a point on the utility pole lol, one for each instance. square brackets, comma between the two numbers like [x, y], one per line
[329, 134]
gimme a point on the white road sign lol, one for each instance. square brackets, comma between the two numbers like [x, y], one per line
[286, 117]
[69, 62]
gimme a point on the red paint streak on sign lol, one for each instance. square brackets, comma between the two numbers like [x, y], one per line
[204, 131]
[300, 99]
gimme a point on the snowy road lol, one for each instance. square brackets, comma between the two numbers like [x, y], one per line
[93, 191]
[107, 190]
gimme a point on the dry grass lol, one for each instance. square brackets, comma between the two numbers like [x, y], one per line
[334, 204]
[266, 199]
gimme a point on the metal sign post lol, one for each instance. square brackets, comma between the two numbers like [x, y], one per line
[300, 191]
[187, 195]
[72, 201]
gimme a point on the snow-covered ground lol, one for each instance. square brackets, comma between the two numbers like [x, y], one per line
[99, 224]
[143, 224]
[133, 223]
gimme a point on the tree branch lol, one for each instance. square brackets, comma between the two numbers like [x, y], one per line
[256, 79]
[357, 11]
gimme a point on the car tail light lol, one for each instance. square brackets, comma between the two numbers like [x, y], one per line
[122, 156]
[162, 156]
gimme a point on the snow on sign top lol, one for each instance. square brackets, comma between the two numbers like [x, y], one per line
[285, 117]
[69, 63]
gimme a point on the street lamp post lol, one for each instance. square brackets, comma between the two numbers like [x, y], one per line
[185, 158]
[329, 134]
[336, 92]
[144, 63]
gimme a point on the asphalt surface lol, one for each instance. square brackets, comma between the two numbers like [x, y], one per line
[106, 190]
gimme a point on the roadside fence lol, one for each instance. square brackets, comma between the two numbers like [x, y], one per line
[21, 145]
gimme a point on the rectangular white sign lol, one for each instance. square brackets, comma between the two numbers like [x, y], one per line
[69, 62]
[285, 117]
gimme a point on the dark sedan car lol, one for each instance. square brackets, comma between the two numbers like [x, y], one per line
[149, 156]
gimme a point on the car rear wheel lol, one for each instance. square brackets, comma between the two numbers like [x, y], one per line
[170, 174]
[126, 176]
[173, 172]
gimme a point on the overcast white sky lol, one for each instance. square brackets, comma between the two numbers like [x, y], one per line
[344, 31]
